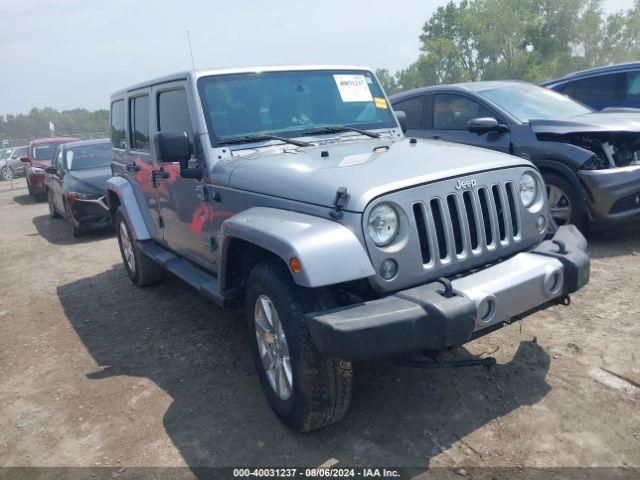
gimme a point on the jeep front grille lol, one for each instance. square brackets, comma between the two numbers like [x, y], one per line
[467, 223]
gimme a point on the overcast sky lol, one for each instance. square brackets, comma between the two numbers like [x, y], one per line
[74, 53]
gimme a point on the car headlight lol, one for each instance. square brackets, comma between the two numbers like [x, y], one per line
[383, 224]
[528, 189]
[37, 171]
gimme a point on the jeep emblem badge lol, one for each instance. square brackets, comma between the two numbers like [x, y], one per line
[464, 184]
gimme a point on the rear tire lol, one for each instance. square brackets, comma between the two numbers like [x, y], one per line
[320, 387]
[141, 269]
[564, 204]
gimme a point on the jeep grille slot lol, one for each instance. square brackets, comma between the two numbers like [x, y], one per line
[464, 224]
[438, 223]
[421, 226]
[515, 224]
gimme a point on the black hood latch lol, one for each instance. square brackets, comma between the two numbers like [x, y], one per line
[342, 198]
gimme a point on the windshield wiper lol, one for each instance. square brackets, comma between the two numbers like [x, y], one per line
[341, 128]
[259, 138]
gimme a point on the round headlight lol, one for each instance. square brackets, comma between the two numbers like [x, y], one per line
[528, 189]
[383, 224]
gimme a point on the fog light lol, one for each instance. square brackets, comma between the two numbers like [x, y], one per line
[541, 223]
[388, 269]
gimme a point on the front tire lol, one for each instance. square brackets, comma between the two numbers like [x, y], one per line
[7, 173]
[305, 389]
[141, 269]
[52, 206]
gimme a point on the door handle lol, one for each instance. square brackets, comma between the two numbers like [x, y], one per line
[155, 174]
[132, 167]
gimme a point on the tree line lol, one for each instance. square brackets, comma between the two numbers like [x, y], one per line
[35, 124]
[533, 40]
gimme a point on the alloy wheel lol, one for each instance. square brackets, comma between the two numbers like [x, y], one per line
[559, 205]
[273, 347]
[127, 247]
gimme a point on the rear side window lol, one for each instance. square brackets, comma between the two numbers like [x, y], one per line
[633, 86]
[20, 152]
[452, 112]
[173, 112]
[139, 118]
[414, 109]
[117, 124]
[602, 88]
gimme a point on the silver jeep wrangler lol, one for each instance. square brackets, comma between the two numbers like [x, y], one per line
[293, 192]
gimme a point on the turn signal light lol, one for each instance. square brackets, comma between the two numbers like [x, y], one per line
[294, 265]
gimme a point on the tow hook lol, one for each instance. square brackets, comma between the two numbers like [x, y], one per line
[565, 300]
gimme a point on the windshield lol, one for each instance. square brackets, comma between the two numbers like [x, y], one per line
[87, 157]
[529, 102]
[291, 103]
[44, 151]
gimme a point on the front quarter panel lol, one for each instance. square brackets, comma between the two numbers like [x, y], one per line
[328, 251]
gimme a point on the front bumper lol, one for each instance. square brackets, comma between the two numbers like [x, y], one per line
[89, 214]
[613, 195]
[423, 318]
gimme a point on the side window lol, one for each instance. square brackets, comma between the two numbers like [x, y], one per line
[633, 86]
[139, 119]
[117, 124]
[173, 112]
[452, 112]
[596, 89]
[414, 109]
[20, 152]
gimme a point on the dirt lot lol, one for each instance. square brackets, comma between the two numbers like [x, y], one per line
[95, 372]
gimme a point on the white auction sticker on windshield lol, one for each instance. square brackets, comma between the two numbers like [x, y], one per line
[353, 88]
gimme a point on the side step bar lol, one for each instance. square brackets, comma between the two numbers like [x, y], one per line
[202, 281]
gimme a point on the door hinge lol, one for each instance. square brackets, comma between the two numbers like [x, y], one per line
[340, 202]
[211, 243]
[204, 193]
[160, 222]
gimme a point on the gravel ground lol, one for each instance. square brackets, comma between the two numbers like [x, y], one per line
[96, 372]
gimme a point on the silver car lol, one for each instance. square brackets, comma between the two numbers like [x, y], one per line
[292, 192]
[10, 164]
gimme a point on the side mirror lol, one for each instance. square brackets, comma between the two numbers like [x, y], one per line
[173, 147]
[24, 159]
[402, 120]
[482, 125]
[51, 169]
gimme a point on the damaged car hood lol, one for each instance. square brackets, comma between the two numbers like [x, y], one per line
[367, 168]
[590, 122]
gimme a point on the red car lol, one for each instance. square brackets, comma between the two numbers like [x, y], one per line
[38, 158]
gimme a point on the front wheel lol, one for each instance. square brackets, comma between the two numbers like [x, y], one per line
[6, 173]
[304, 388]
[563, 201]
[52, 206]
[141, 269]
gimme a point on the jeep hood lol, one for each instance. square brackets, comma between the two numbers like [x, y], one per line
[615, 121]
[308, 176]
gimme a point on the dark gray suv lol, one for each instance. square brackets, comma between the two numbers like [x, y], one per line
[590, 160]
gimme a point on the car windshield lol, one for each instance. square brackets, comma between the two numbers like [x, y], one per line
[530, 102]
[44, 151]
[87, 157]
[290, 103]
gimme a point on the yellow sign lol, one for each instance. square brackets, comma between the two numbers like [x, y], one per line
[380, 102]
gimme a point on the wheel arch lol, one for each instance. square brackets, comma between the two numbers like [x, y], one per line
[551, 166]
[119, 192]
[316, 242]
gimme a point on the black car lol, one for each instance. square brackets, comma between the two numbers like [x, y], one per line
[613, 86]
[76, 184]
[590, 160]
